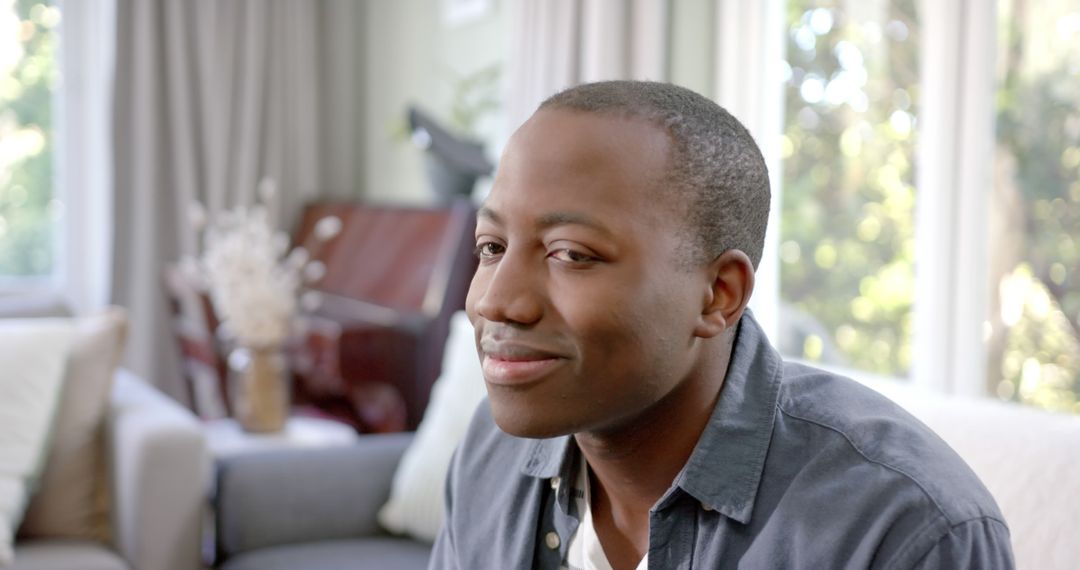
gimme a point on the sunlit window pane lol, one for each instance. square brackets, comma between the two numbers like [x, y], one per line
[1033, 330]
[27, 77]
[847, 235]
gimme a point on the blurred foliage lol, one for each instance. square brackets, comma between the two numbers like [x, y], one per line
[27, 78]
[1040, 360]
[475, 96]
[847, 232]
[1038, 132]
[847, 248]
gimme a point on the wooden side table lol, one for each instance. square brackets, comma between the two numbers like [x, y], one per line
[225, 438]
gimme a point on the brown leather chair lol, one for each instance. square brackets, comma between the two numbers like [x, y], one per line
[194, 327]
[394, 277]
[374, 347]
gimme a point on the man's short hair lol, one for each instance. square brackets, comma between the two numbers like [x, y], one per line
[714, 163]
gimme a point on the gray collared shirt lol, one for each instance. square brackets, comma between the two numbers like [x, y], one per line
[797, 468]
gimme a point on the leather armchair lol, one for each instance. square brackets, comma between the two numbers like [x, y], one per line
[394, 277]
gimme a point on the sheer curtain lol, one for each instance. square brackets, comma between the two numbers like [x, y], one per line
[749, 47]
[210, 96]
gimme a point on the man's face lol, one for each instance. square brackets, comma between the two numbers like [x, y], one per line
[584, 315]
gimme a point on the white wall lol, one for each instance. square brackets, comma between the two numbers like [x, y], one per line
[411, 55]
[691, 61]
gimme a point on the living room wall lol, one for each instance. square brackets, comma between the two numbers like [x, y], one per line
[412, 54]
[691, 49]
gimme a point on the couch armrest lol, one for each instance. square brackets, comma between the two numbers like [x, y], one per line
[300, 495]
[159, 468]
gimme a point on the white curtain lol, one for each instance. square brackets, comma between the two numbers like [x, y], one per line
[210, 96]
[560, 43]
[749, 47]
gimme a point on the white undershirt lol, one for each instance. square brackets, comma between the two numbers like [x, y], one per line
[585, 551]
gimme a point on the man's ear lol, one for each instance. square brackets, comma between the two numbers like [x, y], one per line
[732, 276]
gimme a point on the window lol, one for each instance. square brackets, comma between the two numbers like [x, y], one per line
[28, 74]
[1032, 331]
[851, 82]
[926, 162]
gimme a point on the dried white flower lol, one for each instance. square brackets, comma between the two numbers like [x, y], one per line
[298, 257]
[254, 282]
[314, 271]
[192, 271]
[310, 300]
[267, 190]
[280, 243]
[327, 228]
[197, 215]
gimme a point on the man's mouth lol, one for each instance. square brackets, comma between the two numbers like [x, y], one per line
[507, 364]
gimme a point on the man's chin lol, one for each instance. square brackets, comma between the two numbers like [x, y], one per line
[531, 425]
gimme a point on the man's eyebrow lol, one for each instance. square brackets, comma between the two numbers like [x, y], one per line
[571, 218]
[485, 212]
[551, 219]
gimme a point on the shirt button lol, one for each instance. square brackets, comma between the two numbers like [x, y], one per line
[552, 540]
[555, 483]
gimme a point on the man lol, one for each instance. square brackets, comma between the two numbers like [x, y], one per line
[637, 416]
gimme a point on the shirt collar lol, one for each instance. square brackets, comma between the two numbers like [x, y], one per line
[549, 457]
[724, 470]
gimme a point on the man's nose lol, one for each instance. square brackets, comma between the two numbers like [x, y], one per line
[509, 292]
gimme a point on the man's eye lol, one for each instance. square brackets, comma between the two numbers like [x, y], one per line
[488, 250]
[572, 256]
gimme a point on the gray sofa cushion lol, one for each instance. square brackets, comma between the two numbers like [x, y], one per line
[65, 554]
[372, 553]
[293, 496]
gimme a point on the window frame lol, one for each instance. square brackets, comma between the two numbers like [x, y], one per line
[955, 143]
[952, 196]
[83, 177]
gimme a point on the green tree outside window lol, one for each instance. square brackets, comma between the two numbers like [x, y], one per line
[28, 75]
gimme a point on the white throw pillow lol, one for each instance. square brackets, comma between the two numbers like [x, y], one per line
[33, 355]
[416, 506]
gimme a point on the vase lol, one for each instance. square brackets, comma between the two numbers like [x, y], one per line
[260, 385]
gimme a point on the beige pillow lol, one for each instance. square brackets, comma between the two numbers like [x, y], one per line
[72, 500]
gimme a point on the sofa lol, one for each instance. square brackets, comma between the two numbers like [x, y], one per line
[136, 454]
[157, 465]
[375, 504]
[312, 508]
[317, 509]
[323, 509]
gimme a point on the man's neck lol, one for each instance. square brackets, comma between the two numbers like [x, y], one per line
[634, 465]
